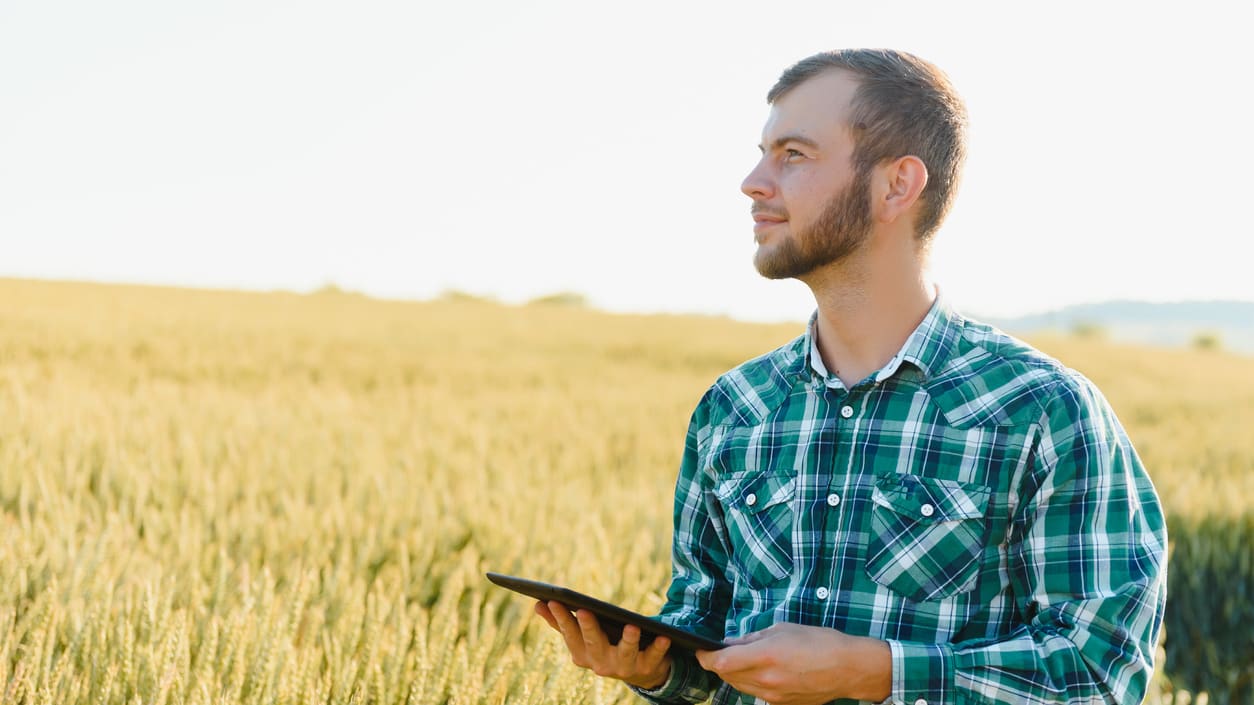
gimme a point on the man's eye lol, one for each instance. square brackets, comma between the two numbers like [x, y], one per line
[792, 154]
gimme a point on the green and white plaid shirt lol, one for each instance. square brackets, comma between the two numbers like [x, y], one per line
[974, 503]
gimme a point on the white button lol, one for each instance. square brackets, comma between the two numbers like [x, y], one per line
[920, 701]
[752, 499]
[821, 593]
[833, 499]
[846, 411]
[927, 510]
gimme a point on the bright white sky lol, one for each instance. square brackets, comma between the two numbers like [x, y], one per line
[516, 149]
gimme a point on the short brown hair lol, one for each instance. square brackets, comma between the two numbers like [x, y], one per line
[903, 106]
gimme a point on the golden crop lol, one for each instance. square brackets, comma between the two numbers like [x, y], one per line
[217, 497]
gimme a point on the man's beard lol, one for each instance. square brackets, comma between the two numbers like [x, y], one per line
[842, 227]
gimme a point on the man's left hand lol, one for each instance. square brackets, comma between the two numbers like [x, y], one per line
[791, 664]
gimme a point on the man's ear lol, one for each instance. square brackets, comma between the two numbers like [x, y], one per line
[903, 180]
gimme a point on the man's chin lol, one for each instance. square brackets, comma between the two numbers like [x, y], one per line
[775, 268]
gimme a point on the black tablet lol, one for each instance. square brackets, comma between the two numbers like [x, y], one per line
[611, 617]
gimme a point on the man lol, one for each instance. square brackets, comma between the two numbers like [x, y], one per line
[901, 504]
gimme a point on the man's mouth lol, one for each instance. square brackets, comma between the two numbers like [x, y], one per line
[765, 221]
[761, 216]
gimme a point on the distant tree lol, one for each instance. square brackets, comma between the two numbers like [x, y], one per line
[1207, 340]
[457, 296]
[561, 298]
[1088, 330]
[333, 289]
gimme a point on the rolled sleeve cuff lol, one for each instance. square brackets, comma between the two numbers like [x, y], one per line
[685, 684]
[923, 674]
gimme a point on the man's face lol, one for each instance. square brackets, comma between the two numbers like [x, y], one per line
[810, 208]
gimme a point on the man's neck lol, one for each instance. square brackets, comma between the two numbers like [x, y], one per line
[866, 312]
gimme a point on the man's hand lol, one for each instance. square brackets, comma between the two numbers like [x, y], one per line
[791, 664]
[590, 648]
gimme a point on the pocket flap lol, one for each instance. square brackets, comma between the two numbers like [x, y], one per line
[753, 493]
[930, 500]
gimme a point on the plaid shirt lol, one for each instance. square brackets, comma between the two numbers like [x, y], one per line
[974, 503]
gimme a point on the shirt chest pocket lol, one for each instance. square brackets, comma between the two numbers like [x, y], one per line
[759, 513]
[927, 535]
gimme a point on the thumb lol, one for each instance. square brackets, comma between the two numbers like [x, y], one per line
[710, 660]
[747, 638]
[732, 658]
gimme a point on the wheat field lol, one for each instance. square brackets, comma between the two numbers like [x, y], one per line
[223, 497]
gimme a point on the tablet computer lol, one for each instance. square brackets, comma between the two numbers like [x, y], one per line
[611, 617]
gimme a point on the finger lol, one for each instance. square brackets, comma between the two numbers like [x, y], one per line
[728, 660]
[570, 631]
[753, 636]
[629, 644]
[594, 640]
[543, 610]
[654, 653]
[559, 613]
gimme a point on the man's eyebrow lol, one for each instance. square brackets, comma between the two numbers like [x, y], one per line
[785, 139]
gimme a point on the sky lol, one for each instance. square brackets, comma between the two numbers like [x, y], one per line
[512, 150]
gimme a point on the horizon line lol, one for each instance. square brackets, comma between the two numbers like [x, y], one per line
[584, 300]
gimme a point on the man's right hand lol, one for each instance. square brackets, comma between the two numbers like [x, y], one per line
[590, 648]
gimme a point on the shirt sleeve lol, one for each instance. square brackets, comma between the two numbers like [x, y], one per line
[699, 594]
[1088, 575]
[688, 683]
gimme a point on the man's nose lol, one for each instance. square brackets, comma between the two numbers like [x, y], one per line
[758, 185]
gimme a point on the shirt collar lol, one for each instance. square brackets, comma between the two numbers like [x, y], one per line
[927, 348]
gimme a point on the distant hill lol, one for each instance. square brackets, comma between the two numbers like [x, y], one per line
[1172, 324]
